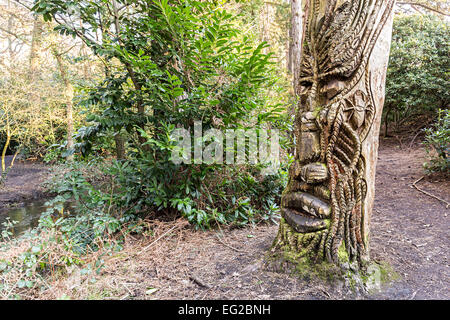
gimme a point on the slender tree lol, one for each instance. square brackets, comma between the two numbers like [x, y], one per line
[296, 33]
[36, 44]
[68, 95]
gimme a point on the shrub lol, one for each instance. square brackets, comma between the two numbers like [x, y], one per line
[178, 63]
[417, 82]
[437, 142]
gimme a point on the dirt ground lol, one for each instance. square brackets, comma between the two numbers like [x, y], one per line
[410, 231]
[23, 183]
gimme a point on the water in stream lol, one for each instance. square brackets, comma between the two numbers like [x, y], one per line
[27, 216]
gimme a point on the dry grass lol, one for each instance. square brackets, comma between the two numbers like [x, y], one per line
[176, 262]
[125, 271]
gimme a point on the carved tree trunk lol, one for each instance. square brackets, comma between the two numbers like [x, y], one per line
[327, 204]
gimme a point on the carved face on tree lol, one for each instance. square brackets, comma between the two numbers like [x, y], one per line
[324, 203]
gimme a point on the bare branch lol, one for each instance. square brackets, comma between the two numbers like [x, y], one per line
[423, 5]
[18, 37]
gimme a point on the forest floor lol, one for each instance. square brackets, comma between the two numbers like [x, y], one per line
[410, 232]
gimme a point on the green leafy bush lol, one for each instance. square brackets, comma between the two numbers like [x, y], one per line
[123, 191]
[171, 64]
[417, 82]
[437, 142]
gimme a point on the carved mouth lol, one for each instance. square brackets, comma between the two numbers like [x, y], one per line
[308, 203]
[305, 212]
[302, 223]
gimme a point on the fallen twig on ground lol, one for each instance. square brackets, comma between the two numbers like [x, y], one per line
[414, 185]
[399, 141]
[228, 246]
[199, 282]
[159, 238]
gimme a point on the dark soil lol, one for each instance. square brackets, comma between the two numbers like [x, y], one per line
[410, 230]
[23, 183]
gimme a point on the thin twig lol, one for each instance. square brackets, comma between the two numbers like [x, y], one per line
[162, 236]
[400, 141]
[413, 139]
[414, 185]
[423, 5]
[199, 282]
[419, 131]
[226, 245]
[129, 291]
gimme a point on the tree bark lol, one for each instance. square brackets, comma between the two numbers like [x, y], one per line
[295, 48]
[296, 34]
[327, 204]
[120, 146]
[36, 44]
[5, 148]
[34, 67]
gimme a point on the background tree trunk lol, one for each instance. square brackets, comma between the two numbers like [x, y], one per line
[296, 34]
[120, 146]
[68, 92]
[5, 148]
[36, 44]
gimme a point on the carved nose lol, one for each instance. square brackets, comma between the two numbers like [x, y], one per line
[308, 147]
[314, 173]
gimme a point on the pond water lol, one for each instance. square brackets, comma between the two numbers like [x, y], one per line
[27, 216]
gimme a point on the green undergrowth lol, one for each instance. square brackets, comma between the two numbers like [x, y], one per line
[90, 217]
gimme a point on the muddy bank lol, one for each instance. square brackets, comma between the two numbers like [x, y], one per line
[23, 183]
